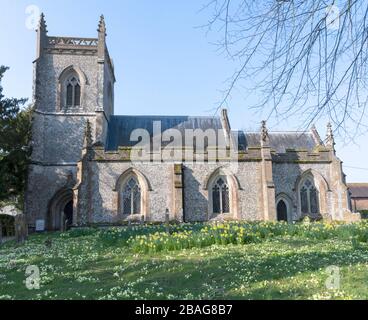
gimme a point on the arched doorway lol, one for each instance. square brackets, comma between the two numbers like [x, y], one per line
[68, 215]
[282, 211]
[60, 217]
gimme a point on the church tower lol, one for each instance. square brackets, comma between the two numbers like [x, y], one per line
[73, 85]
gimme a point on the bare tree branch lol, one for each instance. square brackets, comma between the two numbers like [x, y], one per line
[304, 57]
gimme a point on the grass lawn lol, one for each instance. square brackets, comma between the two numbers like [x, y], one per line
[87, 266]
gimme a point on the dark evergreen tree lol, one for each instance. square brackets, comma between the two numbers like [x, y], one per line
[15, 132]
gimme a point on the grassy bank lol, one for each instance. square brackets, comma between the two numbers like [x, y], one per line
[199, 261]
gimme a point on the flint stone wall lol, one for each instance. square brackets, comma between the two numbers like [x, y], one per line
[285, 176]
[104, 176]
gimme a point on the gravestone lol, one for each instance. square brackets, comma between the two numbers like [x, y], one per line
[21, 228]
[40, 225]
[167, 221]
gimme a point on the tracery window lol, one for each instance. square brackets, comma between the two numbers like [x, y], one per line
[309, 197]
[131, 196]
[73, 92]
[220, 196]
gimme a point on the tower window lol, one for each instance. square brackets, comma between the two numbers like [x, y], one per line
[77, 92]
[73, 92]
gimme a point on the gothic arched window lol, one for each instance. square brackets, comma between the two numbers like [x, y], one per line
[131, 196]
[309, 197]
[71, 88]
[73, 92]
[220, 196]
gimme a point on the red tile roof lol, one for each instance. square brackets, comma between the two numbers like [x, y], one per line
[358, 190]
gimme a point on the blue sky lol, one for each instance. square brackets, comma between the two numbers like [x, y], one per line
[164, 62]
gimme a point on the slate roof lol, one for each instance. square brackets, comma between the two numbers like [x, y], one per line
[280, 141]
[121, 127]
[358, 190]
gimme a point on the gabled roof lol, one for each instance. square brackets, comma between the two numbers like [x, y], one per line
[121, 127]
[358, 190]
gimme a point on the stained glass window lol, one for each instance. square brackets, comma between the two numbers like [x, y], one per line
[131, 197]
[309, 198]
[77, 91]
[313, 200]
[216, 199]
[73, 92]
[69, 95]
[225, 199]
[220, 197]
[304, 200]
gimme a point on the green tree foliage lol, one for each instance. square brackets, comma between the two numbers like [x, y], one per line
[15, 132]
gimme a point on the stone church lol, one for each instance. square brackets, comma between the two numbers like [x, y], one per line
[91, 167]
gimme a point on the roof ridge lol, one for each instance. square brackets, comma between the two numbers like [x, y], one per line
[165, 116]
[270, 132]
